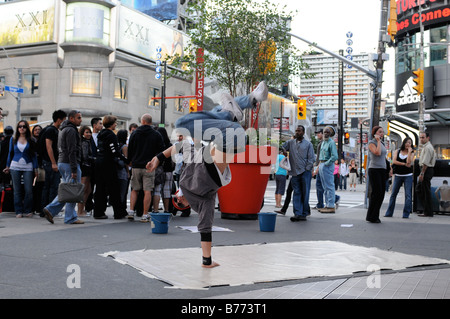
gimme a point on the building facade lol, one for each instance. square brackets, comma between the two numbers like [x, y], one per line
[99, 57]
[322, 89]
[429, 21]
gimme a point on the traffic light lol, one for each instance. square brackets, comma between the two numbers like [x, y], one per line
[392, 27]
[346, 137]
[301, 110]
[419, 81]
[193, 105]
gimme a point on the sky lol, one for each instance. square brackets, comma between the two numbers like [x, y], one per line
[326, 22]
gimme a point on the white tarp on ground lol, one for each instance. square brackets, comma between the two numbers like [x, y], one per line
[249, 264]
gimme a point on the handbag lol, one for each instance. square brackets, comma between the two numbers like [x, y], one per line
[41, 175]
[71, 192]
[284, 163]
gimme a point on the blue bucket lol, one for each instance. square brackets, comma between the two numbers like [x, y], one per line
[267, 221]
[160, 222]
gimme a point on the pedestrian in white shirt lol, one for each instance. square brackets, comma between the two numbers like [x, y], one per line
[343, 173]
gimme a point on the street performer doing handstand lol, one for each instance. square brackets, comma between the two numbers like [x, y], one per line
[205, 168]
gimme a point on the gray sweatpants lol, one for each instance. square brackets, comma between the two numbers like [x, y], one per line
[200, 188]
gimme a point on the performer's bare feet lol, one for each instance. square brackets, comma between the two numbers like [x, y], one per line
[213, 264]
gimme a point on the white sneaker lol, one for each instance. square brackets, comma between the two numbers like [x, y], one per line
[145, 218]
[230, 105]
[260, 93]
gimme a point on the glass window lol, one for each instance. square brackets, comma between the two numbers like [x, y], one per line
[179, 104]
[120, 89]
[154, 92]
[2, 85]
[31, 84]
[438, 53]
[86, 82]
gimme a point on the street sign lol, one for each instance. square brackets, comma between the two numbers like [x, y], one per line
[13, 89]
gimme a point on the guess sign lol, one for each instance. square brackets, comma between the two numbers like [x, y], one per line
[200, 79]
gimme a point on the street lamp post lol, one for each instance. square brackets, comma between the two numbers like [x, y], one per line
[421, 122]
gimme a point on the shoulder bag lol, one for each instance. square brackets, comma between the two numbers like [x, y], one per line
[71, 192]
[284, 163]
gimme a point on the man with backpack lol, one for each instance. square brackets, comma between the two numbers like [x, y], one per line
[48, 150]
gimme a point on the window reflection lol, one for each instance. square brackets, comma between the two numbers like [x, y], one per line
[30, 84]
[120, 89]
[154, 92]
[86, 82]
[408, 49]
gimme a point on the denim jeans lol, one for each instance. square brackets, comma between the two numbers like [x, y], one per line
[23, 198]
[51, 183]
[216, 125]
[327, 179]
[319, 191]
[342, 182]
[407, 182]
[301, 184]
[70, 213]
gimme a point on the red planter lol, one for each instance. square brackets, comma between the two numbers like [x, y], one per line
[244, 196]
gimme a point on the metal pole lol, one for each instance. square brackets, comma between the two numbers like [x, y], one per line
[19, 84]
[375, 118]
[368, 72]
[421, 122]
[281, 119]
[340, 106]
[163, 96]
[360, 152]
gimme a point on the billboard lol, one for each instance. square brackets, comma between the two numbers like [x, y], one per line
[406, 97]
[408, 17]
[141, 35]
[27, 22]
[87, 22]
[161, 10]
[325, 116]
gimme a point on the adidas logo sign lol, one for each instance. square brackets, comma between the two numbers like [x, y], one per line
[408, 95]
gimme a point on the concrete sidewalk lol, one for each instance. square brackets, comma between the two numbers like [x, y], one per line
[44, 251]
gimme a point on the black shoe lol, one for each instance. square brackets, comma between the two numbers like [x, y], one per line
[298, 218]
[280, 212]
[48, 215]
[185, 214]
[375, 221]
[101, 217]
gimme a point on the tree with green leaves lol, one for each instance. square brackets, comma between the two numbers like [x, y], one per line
[244, 41]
